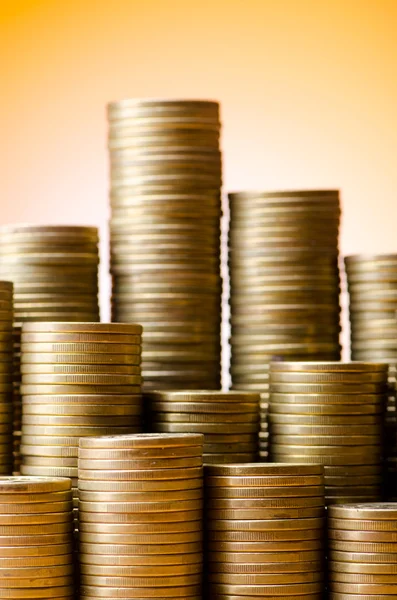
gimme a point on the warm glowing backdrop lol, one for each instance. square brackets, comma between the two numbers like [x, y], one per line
[308, 91]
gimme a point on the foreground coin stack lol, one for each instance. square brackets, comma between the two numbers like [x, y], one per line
[36, 547]
[372, 286]
[228, 420]
[166, 175]
[140, 514]
[362, 551]
[6, 377]
[284, 281]
[17, 400]
[78, 379]
[331, 414]
[264, 531]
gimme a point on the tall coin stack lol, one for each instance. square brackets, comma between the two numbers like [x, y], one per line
[372, 286]
[362, 551]
[140, 513]
[6, 377]
[78, 379]
[264, 531]
[36, 524]
[284, 281]
[331, 414]
[228, 420]
[166, 175]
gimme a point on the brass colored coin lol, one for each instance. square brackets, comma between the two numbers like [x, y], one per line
[366, 578]
[323, 430]
[41, 573]
[204, 396]
[267, 492]
[79, 347]
[142, 475]
[48, 471]
[268, 590]
[123, 536]
[384, 511]
[204, 407]
[389, 569]
[94, 400]
[76, 370]
[154, 520]
[41, 562]
[90, 557]
[244, 568]
[328, 378]
[72, 431]
[80, 420]
[349, 452]
[36, 519]
[36, 551]
[64, 592]
[116, 570]
[363, 525]
[33, 389]
[328, 440]
[328, 367]
[255, 480]
[145, 440]
[86, 410]
[53, 358]
[97, 328]
[266, 525]
[142, 529]
[42, 507]
[56, 461]
[35, 539]
[377, 590]
[222, 419]
[266, 560]
[81, 379]
[264, 578]
[215, 428]
[286, 419]
[264, 470]
[192, 494]
[307, 501]
[138, 454]
[89, 544]
[355, 408]
[327, 388]
[25, 485]
[364, 547]
[362, 536]
[263, 536]
[134, 507]
[40, 528]
[130, 464]
[140, 485]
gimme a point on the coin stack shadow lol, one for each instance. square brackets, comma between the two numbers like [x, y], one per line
[331, 414]
[140, 513]
[165, 180]
[264, 531]
[284, 281]
[372, 287]
[362, 551]
[6, 377]
[55, 274]
[78, 379]
[36, 524]
[228, 420]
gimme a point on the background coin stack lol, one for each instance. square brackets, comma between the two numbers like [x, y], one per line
[331, 414]
[362, 551]
[228, 420]
[36, 547]
[166, 175]
[78, 379]
[284, 281]
[140, 512]
[264, 531]
[372, 286]
[6, 377]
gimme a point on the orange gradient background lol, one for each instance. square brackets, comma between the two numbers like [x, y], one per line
[308, 90]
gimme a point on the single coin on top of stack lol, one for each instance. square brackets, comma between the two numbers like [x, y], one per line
[165, 196]
[6, 377]
[140, 516]
[331, 414]
[362, 554]
[228, 420]
[36, 538]
[372, 287]
[264, 531]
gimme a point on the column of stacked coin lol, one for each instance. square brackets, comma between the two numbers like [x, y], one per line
[140, 514]
[6, 377]
[284, 278]
[264, 531]
[165, 170]
[78, 379]
[36, 547]
[228, 420]
[372, 286]
[362, 551]
[331, 414]
[16, 400]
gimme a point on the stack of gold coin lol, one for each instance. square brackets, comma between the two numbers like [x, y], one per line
[166, 175]
[362, 551]
[331, 414]
[264, 427]
[54, 270]
[36, 538]
[284, 281]
[140, 516]
[78, 379]
[16, 400]
[264, 531]
[6, 377]
[372, 286]
[228, 420]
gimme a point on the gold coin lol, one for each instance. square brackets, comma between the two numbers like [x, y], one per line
[144, 440]
[92, 328]
[269, 591]
[207, 396]
[79, 347]
[247, 568]
[265, 560]
[32, 485]
[328, 378]
[49, 471]
[205, 419]
[35, 539]
[41, 562]
[263, 536]
[264, 470]
[364, 568]
[140, 570]
[253, 489]
[142, 529]
[34, 497]
[37, 519]
[155, 453]
[328, 367]
[134, 507]
[382, 511]
[349, 452]
[286, 419]
[267, 492]
[63, 592]
[143, 519]
[87, 410]
[95, 400]
[41, 507]
[264, 578]
[59, 369]
[363, 547]
[81, 379]
[367, 578]
[307, 501]
[56, 461]
[143, 582]
[53, 358]
[362, 536]
[204, 407]
[140, 485]
[235, 428]
[89, 557]
[140, 464]
[72, 431]
[89, 544]
[123, 536]
[192, 494]
[328, 440]
[374, 590]
[40, 528]
[33, 389]
[266, 525]
[143, 475]
[39, 572]
[355, 408]
[327, 388]
[91, 592]
[324, 430]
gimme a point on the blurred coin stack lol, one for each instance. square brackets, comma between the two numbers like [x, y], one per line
[331, 414]
[228, 420]
[140, 513]
[362, 551]
[78, 379]
[6, 377]
[284, 281]
[264, 531]
[36, 533]
[165, 194]
[372, 287]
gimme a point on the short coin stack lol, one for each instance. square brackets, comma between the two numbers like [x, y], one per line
[284, 281]
[36, 547]
[362, 551]
[331, 414]
[372, 286]
[6, 377]
[166, 175]
[140, 513]
[264, 531]
[228, 420]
